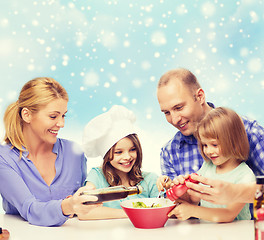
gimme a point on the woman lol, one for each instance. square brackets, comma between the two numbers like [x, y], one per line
[38, 171]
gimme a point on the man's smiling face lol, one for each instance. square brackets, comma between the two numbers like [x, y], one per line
[182, 108]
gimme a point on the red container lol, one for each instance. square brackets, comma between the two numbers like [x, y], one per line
[178, 190]
[259, 230]
[148, 217]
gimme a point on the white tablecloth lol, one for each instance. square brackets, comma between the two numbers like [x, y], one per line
[119, 229]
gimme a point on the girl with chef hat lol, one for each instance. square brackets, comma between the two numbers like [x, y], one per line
[112, 136]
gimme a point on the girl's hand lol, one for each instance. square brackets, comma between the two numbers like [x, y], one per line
[163, 183]
[182, 211]
[180, 179]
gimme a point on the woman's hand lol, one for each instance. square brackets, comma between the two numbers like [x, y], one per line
[74, 204]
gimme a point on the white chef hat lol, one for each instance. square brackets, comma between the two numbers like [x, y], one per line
[103, 131]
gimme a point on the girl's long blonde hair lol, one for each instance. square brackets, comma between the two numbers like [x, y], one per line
[135, 175]
[34, 95]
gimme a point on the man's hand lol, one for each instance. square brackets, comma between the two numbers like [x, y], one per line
[221, 192]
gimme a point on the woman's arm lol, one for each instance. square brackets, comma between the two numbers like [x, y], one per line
[185, 210]
[19, 199]
[221, 192]
[102, 213]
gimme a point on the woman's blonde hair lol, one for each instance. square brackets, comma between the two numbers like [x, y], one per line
[135, 175]
[34, 95]
[226, 126]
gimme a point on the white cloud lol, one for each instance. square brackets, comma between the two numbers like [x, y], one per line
[262, 84]
[149, 21]
[126, 43]
[109, 39]
[7, 47]
[146, 65]
[248, 2]
[254, 16]
[12, 96]
[158, 38]
[211, 36]
[181, 10]
[4, 22]
[232, 61]
[137, 83]
[244, 52]
[91, 79]
[201, 54]
[254, 65]
[208, 9]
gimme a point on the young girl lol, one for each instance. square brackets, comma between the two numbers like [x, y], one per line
[111, 135]
[224, 146]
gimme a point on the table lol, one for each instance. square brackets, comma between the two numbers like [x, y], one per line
[122, 229]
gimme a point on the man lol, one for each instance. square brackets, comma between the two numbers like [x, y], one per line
[182, 100]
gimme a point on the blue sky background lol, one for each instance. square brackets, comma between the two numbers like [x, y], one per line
[114, 52]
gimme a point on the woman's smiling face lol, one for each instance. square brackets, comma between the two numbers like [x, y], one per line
[46, 123]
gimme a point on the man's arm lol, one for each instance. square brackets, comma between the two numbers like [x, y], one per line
[221, 192]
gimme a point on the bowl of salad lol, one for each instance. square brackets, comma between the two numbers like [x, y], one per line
[148, 212]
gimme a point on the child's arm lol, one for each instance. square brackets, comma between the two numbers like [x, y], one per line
[186, 210]
[103, 213]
